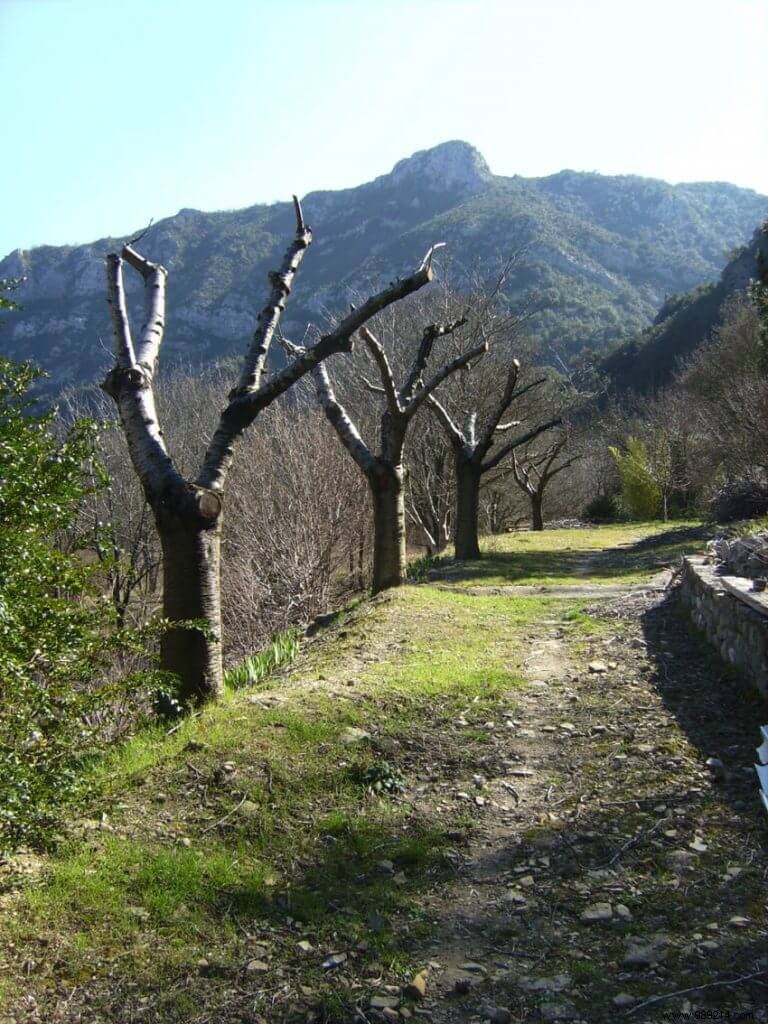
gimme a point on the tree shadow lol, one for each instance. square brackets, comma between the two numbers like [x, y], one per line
[651, 553]
[716, 706]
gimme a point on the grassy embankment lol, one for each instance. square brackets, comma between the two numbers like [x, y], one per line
[222, 865]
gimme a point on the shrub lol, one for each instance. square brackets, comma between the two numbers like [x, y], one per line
[54, 626]
[739, 499]
[641, 494]
[605, 508]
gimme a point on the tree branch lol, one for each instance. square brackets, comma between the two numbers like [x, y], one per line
[339, 419]
[522, 477]
[522, 439]
[121, 329]
[130, 385]
[430, 334]
[269, 317]
[385, 371]
[445, 371]
[455, 436]
[695, 988]
[528, 387]
[561, 467]
[244, 406]
[486, 440]
[155, 276]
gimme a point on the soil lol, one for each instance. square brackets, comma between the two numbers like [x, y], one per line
[613, 806]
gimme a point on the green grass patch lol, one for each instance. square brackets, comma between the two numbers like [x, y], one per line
[620, 553]
[170, 885]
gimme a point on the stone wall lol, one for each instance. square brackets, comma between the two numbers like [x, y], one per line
[739, 633]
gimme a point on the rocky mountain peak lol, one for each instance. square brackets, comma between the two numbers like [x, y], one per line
[453, 164]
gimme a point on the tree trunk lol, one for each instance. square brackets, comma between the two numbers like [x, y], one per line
[389, 565]
[467, 505]
[537, 519]
[191, 543]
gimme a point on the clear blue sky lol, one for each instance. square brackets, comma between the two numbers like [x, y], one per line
[116, 111]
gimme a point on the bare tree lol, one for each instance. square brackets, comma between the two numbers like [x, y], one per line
[535, 470]
[431, 485]
[295, 519]
[384, 470]
[471, 448]
[188, 512]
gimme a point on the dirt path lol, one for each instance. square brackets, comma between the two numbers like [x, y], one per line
[613, 868]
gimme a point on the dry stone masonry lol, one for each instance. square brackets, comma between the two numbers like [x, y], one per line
[732, 610]
[738, 630]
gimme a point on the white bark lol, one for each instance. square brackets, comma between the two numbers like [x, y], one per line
[269, 318]
[130, 384]
[339, 419]
[153, 328]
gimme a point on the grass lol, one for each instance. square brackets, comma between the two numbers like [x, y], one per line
[258, 824]
[158, 885]
[619, 553]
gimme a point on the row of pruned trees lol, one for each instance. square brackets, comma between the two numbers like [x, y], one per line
[187, 493]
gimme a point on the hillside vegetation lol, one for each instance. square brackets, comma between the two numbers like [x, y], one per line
[598, 256]
[684, 322]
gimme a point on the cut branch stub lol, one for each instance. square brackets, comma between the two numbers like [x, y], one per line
[121, 379]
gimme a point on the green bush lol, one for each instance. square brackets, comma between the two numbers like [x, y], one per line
[641, 494]
[605, 508]
[55, 628]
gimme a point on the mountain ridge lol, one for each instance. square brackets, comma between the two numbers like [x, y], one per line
[602, 254]
[684, 322]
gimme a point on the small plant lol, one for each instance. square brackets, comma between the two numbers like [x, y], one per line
[419, 569]
[282, 649]
[382, 777]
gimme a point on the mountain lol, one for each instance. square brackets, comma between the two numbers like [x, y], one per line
[684, 322]
[600, 255]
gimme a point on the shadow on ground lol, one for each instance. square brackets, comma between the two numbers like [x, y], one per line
[717, 708]
[652, 553]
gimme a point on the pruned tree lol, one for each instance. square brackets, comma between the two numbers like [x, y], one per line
[188, 512]
[534, 470]
[383, 469]
[473, 456]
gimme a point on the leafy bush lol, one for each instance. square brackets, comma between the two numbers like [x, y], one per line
[739, 499]
[641, 495]
[49, 619]
[605, 508]
[55, 634]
